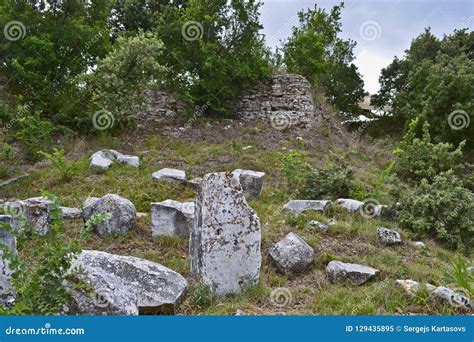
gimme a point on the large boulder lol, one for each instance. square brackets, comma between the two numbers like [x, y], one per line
[300, 206]
[225, 239]
[7, 241]
[388, 236]
[251, 181]
[355, 274]
[291, 255]
[125, 285]
[170, 218]
[120, 211]
[173, 176]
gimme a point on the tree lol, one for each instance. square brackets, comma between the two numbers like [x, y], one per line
[315, 51]
[47, 44]
[434, 81]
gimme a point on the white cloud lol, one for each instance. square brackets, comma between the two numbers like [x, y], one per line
[370, 65]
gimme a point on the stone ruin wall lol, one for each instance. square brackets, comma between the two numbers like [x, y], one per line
[284, 99]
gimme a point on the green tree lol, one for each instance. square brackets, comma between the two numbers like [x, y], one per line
[315, 51]
[47, 43]
[433, 81]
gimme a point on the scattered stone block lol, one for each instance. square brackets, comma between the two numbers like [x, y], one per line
[251, 181]
[291, 255]
[388, 236]
[125, 285]
[171, 218]
[313, 224]
[173, 176]
[300, 206]
[354, 274]
[121, 212]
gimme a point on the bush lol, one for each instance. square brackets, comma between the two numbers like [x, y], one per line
[332, 181]
[65, 169]
[443, 209]
[34, 135]
[420, 158]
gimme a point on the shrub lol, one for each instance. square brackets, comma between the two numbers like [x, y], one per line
[329, 182]
[65, 168]
[420, 158]
[334, 180]
[34, 135]
[443, 209]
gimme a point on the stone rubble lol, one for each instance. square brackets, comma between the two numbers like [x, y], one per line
[388, 236]
[251, 181]
[172, 176]
[102, 160]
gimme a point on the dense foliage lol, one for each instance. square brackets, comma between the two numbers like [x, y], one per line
[434, 81]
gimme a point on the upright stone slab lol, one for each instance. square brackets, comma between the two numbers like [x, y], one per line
[225, 240]
[8, 241]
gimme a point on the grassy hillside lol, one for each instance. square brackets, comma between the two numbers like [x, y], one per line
[219, 146]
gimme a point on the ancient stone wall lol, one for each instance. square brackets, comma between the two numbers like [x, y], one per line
[285, 99]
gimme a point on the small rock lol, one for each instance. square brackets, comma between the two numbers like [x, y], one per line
[316, 224]
[442, 295]
[355, 274]
[388, 236]
[251, 181]
[70, 213]
[299, 138]
[419, 244]
[240, 313]
[349, 204]
[129, 160]
[140, 215]
[247, 148]
[170, 175]
[122, 214]
[171, 218]
[87, 206]
[332, 222]
[299, 206]
[291, 255]
[100, 161]
[194, 183]
[411, 287]
[125, 285]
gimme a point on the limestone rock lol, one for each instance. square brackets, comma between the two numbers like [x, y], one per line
[121, 212]
[299, 206]
[349, 204]
[291, 255]
[389, 236]
[251, 181]
[125, 285]
[340, 272]
[411, 287]
[170, 218]
[70, 213]
[443, 295]
[36, 212]
[170, 175]
[87, 206]
[8, 240]
[225, 239]
[100, 161]
[419, 244]
[194, 183]
[129, 160]
[318, 225]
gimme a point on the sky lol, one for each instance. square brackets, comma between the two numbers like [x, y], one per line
[382, 28]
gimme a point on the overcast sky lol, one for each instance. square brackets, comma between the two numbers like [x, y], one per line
[382, 28]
